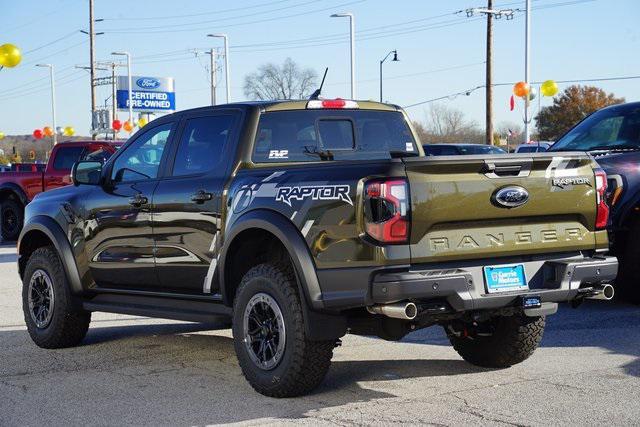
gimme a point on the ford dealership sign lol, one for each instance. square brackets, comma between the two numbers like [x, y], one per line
[149, 94]
[148, 83]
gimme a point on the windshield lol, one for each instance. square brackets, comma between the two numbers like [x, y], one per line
[613, 128]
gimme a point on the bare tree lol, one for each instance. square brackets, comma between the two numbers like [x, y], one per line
[287, 81]
[449, 125]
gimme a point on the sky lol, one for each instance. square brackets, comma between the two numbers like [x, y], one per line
[441, 52]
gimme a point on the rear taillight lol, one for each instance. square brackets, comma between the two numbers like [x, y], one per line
[386, 210]
[602, 215]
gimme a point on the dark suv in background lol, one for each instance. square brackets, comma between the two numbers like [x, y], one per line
[612, 136]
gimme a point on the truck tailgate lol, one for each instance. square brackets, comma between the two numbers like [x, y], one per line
[456, 215]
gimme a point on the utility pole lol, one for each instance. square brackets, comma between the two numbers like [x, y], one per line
[214, 82]
[491, 13]
[114, 103]
[489, 76]
[92, 65]
[527, 67]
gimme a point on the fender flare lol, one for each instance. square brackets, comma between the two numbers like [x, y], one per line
[292, 240]
[15, 189]
[53, 231]
[318, 326]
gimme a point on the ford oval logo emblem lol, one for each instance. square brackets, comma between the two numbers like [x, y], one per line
[148, 83]
[510, 197]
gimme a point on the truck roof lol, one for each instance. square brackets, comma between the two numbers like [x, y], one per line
[288, 105]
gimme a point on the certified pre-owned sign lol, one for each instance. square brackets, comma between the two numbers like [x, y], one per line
[148, 94]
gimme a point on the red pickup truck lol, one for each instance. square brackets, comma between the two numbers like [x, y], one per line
[19, 188]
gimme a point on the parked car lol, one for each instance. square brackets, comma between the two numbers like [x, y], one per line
[300, 220]
[460, 149]
[532, 147]
[612, 135]
[19, 187]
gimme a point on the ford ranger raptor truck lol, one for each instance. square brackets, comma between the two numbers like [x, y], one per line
[304, 220]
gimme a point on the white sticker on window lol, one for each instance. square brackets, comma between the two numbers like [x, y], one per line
[409, 146]
[278, 154]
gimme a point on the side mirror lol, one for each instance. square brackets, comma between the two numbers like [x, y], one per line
[86, 172]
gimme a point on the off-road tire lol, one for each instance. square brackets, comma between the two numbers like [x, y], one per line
[304, 363]
[628, 282]
[15, 211]
[513, 340]
[69, 324]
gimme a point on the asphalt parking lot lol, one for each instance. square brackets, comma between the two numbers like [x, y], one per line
[133, 370]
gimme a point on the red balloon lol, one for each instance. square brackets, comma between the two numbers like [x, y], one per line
[37, 134]
[117, 124]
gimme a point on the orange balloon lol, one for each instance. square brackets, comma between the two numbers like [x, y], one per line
[521, 89]
[127, 126]
[47, 131]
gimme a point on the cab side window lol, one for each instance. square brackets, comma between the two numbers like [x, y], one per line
[141, 160]
[202, 144]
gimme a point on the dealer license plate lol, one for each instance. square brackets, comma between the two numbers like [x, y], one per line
[505, 278]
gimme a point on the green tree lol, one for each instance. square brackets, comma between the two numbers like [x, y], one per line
[572, 105]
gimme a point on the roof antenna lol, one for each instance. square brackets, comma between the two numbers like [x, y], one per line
[316, 94]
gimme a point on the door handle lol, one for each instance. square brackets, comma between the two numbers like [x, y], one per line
[201, 196]
[138, 200]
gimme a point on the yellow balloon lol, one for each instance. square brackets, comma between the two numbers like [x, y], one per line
[69, 131]
[142, 122]
[549, 88]
[1, 135]
[10, 55]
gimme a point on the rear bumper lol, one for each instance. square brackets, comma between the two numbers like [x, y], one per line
[462, 286]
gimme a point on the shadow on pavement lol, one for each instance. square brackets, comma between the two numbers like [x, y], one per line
[149, 373]
[151, 364]
[8, 257]
[611, 325]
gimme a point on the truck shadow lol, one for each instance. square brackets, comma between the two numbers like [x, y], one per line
[8, 258]
[152, 364]
[145, 372]
[611, 325]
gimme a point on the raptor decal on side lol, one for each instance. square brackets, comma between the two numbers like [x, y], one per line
[315, 192]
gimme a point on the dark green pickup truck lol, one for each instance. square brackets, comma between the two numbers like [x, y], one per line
[304, 220]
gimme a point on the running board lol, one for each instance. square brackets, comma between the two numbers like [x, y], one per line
[190, 310]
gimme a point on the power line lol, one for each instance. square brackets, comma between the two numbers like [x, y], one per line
[60, 82]
[211, 21]
[35, 61]
[469, 91]
[166, 30]
[66, 36]
[193, 15]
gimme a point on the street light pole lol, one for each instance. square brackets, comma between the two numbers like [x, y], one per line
[527, 66]
[128, 55]
[53, 100]
[352, 38]
[395, 59]
[226, 62]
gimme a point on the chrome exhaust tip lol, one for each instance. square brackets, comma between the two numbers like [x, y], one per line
[401, 310]
[603, 292]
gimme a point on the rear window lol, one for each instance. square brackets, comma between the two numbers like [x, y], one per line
[529, 149]
[312, 135]
[66, 157]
